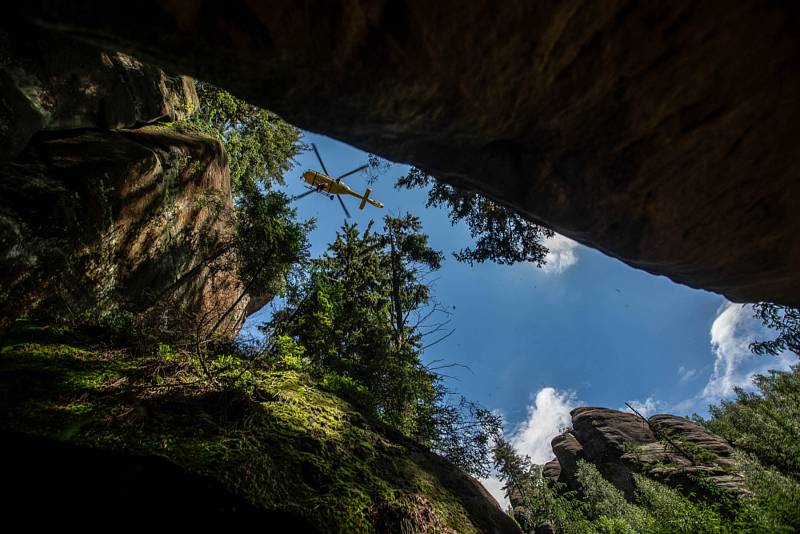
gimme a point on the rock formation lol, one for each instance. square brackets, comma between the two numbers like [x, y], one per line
[100, 211]
[667, 448]
[48, 82]
[111, 441]
[92, 221]
[663, 134]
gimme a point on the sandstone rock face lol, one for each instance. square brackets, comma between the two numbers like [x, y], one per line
[670, 449]
[568, 451]
[552, 469]
[50, 82]
[685, 449]
[93, 219]
[605, 435]
[664, 134]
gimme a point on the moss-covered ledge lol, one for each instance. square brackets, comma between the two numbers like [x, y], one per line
[269, 437]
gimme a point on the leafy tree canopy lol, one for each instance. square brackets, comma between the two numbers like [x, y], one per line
[501, 235]
[785, 321]
[260, 145]
[268, 239]
[766, 422]
[363, 316]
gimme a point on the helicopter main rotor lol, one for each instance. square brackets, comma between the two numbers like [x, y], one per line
[328, 175]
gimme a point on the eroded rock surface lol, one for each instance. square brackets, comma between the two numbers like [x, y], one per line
[568, 451]
[604, 436]
[668, 448]
[93, 220]
[664, 134]
[51, 82]
[685, 450]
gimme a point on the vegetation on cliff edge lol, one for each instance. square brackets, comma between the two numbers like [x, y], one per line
[260, 426]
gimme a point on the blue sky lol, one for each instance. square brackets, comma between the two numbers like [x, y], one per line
[587, 330]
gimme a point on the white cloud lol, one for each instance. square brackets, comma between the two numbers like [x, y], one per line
[734, 365]
[562, 254]
[548, 414]
[686, 374]
[646, 408]
[495, 487]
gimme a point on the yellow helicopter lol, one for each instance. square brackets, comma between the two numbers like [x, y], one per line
[323, 183]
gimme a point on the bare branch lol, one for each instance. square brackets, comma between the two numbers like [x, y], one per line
[439, 340]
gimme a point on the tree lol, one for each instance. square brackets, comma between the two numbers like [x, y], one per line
[362, 316]
[766, 422]
[266, 239]
[501, 235]
[786, 321]
[408, 262]
[346, 316]
[260, 145]
[269, 240]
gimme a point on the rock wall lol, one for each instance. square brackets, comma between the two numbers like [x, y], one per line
[101, 208]
[667, 448]
[662, 133]
[95, 220]
[48, 82]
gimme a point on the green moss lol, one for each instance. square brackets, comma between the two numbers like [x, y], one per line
[269, 435]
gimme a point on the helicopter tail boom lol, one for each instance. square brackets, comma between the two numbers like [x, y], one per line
[365, 198]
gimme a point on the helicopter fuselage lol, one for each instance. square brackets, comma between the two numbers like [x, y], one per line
[326, 184]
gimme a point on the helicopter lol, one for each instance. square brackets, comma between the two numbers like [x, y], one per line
[324, 184]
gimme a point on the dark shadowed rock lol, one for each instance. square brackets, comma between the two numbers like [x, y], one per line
[664, 134]
[552, 469]
[91, 220]
[51, 82]
[568, 451]
[75, 483]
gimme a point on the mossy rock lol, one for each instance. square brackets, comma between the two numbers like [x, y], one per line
[269, 437]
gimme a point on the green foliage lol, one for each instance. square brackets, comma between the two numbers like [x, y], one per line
[607, 503]
[362, 316]
[783, 319]
[265, 432]
[523, 484]
[290, 356]
[269, 240]
[460, 431]
[347, 388]
[674, 512]
[765, 423]
[259, 144]
[774, 501]
[764, 427]
[770, 505]
[342, 316]
[501, 235]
